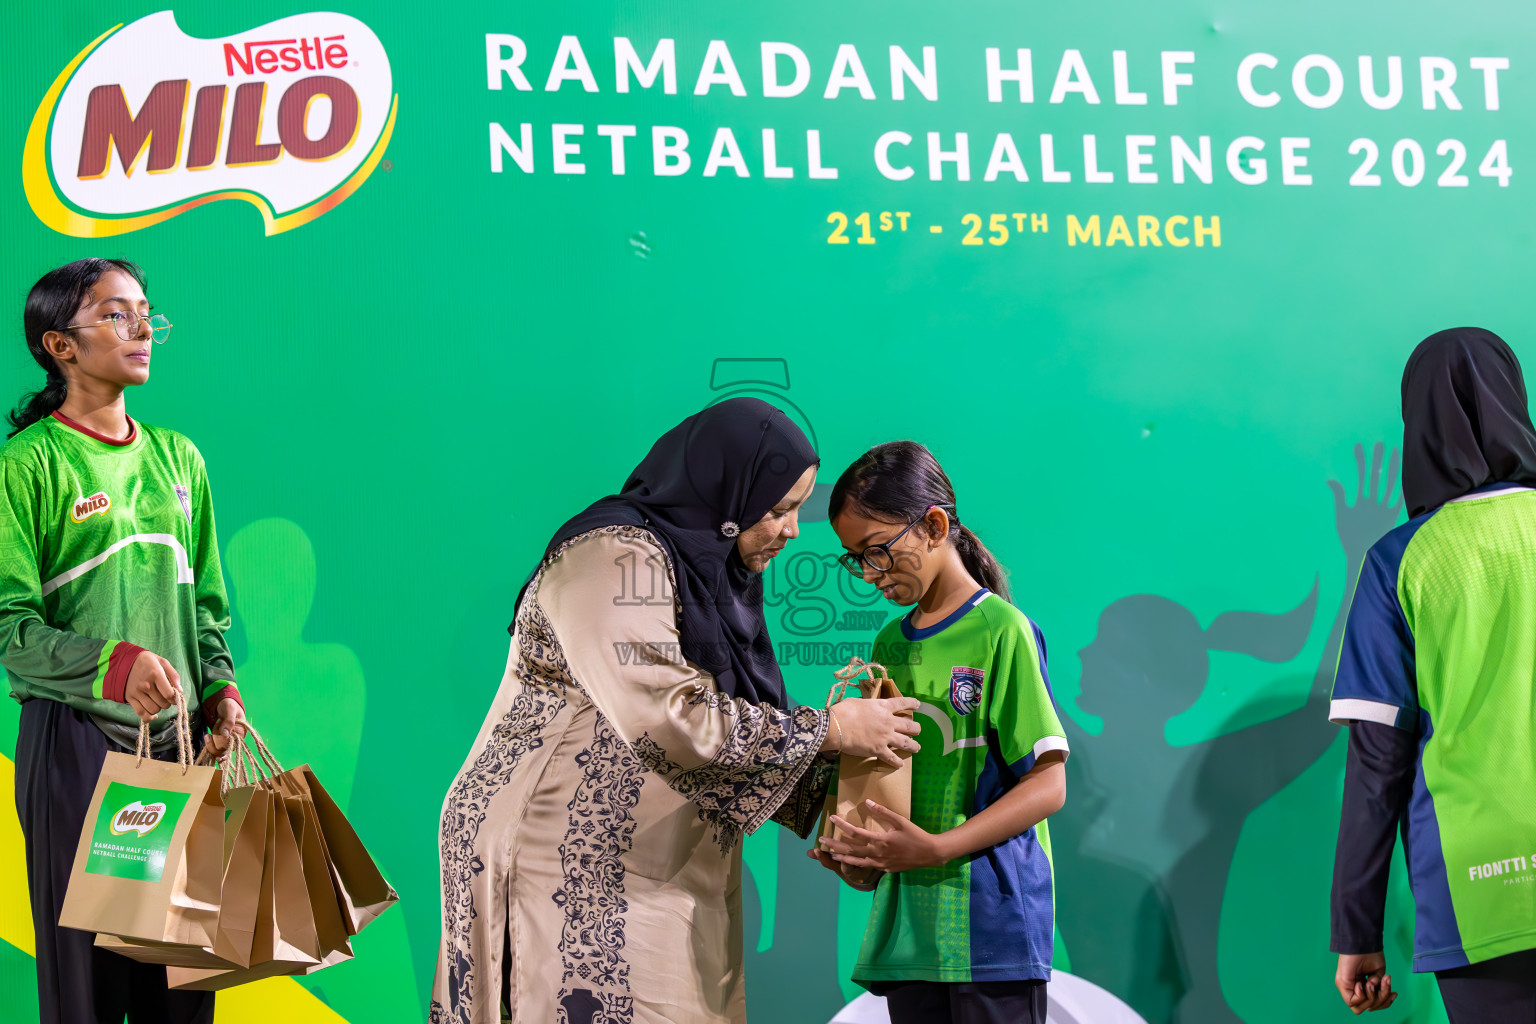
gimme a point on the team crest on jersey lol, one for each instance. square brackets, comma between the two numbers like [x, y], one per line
[965, 688]
[84, 508]
[184, 496]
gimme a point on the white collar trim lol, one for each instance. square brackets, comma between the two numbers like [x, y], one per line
[1516, 489]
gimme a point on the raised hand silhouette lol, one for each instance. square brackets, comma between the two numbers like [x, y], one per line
[1366, 521]
[1149, 833]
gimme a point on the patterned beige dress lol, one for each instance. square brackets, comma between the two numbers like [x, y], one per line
[590, 846]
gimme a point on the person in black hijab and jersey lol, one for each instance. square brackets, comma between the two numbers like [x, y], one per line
[590, 846]
[1437, 682]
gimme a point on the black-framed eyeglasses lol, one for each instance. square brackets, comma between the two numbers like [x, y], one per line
[127, 326]
[878, 556]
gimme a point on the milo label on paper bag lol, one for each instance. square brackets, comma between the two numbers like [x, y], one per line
[133, 832]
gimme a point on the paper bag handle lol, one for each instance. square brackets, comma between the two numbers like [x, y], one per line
[183, 736]
[248, 761]
[849, 675]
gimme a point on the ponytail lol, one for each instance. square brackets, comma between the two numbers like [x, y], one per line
[979, 562]
[901, 480]
[40, 404]
[51, 306]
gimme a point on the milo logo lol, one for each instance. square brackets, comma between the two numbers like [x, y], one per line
[138, 817]
[148, 122]
[127, 840]
[84, 508]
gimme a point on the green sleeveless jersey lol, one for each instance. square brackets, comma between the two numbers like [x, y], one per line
[107, 548]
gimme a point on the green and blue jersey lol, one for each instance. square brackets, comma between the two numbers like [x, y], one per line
[1441, 642]
[986, 714]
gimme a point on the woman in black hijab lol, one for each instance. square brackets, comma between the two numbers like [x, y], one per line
[1435, 682]
[1465, 422]
[590, 846]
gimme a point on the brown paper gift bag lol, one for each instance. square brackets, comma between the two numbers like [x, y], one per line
[284, 941]
[324, 900]
[245, 847]
[865, 778]
[307, 912]
[362, 888]
[334, 912]
[148, 863]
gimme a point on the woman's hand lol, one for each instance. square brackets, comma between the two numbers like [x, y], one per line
[152, 685]
[904, 847]
[228, 727]
[874, 728]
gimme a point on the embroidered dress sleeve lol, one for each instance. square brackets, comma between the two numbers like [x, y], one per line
[40, 660]
[1023, 714]
[739, 762]
[217, 672]
[800, 812]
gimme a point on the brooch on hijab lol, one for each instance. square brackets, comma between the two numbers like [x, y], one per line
[729, 528]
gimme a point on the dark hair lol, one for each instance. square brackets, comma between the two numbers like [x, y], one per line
[51, 305]
[897, 482]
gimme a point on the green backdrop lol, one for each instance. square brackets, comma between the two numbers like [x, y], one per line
[399, 400]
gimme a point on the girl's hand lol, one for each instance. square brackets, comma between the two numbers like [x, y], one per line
[227, 728]
[152, 685]
[825, 859]
[904, 847]
[1363, 980]
[874, 728]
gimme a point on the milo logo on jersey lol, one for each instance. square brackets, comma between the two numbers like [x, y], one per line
[96, 505]
[132, 832]
[148, 122]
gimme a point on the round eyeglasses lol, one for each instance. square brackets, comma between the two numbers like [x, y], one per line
[127, 326]
[878, 557]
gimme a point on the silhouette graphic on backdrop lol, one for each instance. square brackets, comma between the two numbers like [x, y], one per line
[309, 700]
[272, 569]
[1147, 837]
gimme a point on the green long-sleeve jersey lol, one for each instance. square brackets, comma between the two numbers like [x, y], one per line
[107, 548]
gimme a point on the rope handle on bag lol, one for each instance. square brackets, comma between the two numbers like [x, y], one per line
[871, 671]
[183, 736]
[248, 762]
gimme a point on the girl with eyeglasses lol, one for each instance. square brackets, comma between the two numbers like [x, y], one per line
[963, 919]
[111, 599]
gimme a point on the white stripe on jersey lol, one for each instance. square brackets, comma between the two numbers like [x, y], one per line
[183, 565]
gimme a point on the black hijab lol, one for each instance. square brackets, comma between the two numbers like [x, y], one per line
[1465, 423]
[714, 474]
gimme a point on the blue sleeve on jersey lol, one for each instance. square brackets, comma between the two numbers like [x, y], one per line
[1036, 706]
[1376, 679]
[1045, 674]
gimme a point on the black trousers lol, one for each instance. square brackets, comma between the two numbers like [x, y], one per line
[59, 754]
[971, 1002]
[1500, 991]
